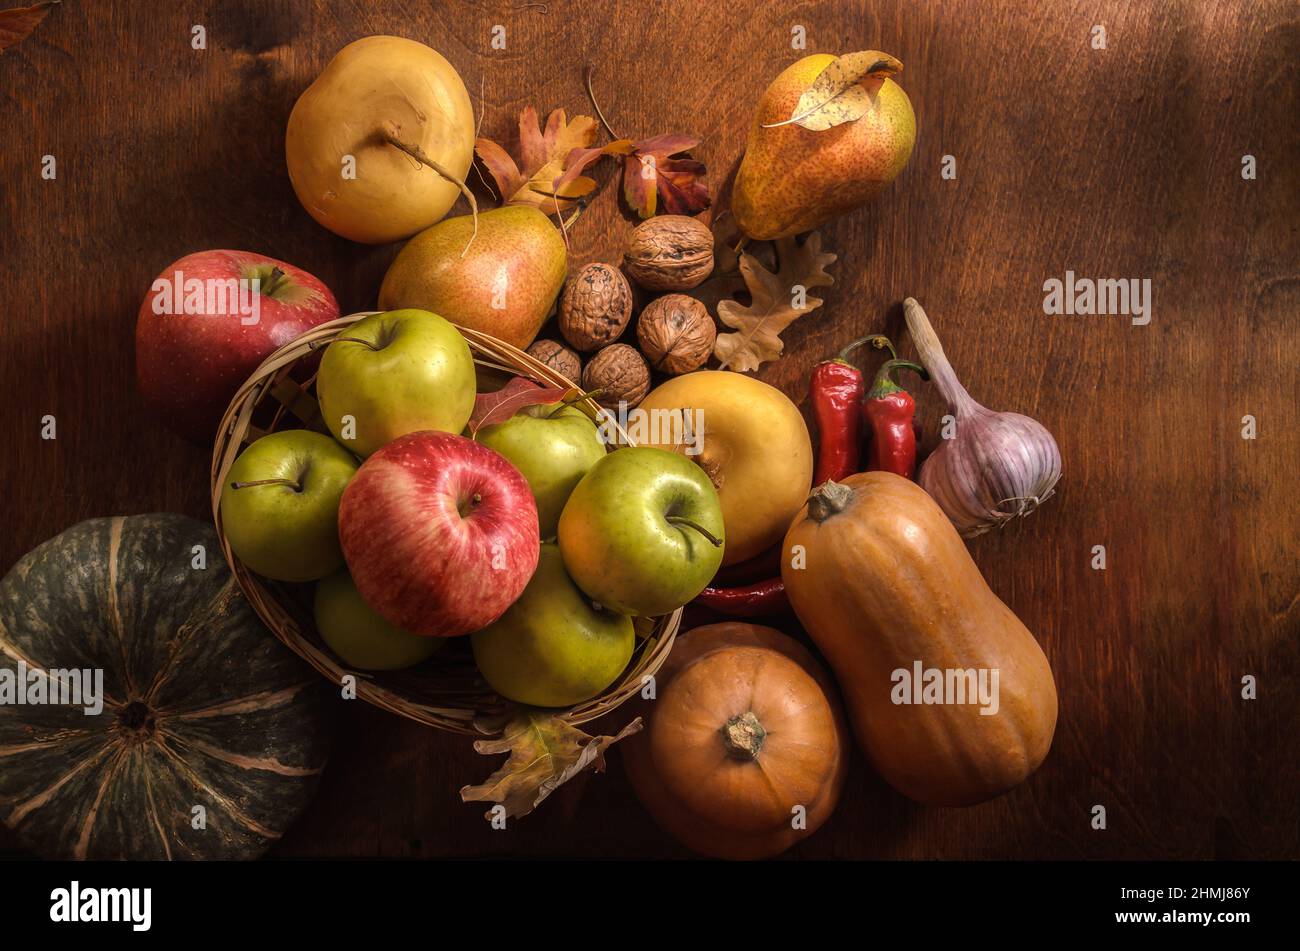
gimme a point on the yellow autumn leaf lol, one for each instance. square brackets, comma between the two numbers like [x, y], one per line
[837, 95]
[545, 752]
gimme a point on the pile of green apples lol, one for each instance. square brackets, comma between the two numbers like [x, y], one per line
[528, 534]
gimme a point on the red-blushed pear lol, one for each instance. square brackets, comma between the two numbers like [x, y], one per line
[205, 327]
[439, 533]
[830, 133]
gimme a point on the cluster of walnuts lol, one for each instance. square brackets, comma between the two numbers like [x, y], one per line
[675, 333]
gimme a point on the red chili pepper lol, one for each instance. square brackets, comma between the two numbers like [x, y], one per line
[889, 410]
[764, 565]
[752, 600]
[836, 389]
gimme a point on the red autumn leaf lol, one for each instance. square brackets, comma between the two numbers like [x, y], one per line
[497, 407]
[535, 180]
[17, 24]
[651, 175]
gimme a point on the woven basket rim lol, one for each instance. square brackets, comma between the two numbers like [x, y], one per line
[271, 380]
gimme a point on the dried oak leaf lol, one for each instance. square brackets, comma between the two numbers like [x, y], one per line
[545, 752]
[17, 24]
[534, 180]
[838, 95]
[777, 301]
[502, 404]
[653, 181]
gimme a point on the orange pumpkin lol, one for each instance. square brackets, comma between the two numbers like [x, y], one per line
[747, 728]
[885, 587]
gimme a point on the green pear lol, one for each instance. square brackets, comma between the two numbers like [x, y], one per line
[505, 284]
[553, 647]
[553, 445]
[793, 179]
[642, 533]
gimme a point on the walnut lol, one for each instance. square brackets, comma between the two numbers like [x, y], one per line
[669, 253]
[595, 307]
[676, 333]
[558, 357]
[620, 373]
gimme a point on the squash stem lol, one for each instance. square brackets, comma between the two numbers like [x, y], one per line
[743, 736]
[829, 498]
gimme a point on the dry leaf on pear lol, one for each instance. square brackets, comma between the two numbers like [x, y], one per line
[545, 752]
[837, 95]
[777, 300]
[542, 153]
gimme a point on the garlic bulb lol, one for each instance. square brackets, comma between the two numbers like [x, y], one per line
[997, 466]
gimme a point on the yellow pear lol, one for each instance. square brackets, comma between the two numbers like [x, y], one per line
[830, 133]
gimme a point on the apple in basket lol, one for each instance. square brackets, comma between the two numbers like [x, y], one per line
[440, 533]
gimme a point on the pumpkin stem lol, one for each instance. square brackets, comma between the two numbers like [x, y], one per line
[829, 498]
[743, 736]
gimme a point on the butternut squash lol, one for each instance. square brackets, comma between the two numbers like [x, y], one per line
[883, 583]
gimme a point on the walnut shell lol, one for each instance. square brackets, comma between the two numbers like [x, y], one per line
[676, 333]
[558, 357]
[669, 253]
[620, 372]
[595, 307]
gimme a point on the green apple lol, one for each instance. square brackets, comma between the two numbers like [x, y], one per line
[553, 647]
[395, 373]
[362, 638]
[553, 446]
[280, 504]
[642, 531]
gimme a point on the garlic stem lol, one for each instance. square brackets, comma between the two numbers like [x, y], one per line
[934, 360]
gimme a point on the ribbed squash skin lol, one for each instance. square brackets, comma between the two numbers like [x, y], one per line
[202, 705]
[887, 581]
[657, 764]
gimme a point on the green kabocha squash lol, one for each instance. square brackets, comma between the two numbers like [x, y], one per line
[211, 736]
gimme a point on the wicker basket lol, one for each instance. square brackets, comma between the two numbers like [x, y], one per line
[447, 691]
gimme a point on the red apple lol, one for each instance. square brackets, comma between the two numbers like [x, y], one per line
[440, 533]
[203, 330]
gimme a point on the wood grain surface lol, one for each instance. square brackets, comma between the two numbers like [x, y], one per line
[1123, 162]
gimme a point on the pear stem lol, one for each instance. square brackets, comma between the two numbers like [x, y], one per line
[390, 133]
[714, 540]
[595, 105]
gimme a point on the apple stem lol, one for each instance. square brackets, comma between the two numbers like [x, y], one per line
[367, 343]
[296, 486]
[575, 400]
[273, 282]
[713, 539]
[391, 133]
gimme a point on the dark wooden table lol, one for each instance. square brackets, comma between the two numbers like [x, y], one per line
[1123, 162]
